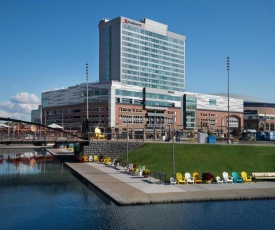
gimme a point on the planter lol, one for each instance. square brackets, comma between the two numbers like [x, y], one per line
[146, 176]
[208, 181]
[146, 173]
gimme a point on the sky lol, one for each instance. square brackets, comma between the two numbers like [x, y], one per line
[45, 45]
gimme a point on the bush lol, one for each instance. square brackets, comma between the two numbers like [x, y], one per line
[146, 172]
[207, 176]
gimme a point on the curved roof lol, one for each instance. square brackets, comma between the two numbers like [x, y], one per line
[245, 98]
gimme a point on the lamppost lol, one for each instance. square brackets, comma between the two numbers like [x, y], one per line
[87, 78]
[87, 109]
[127, 143]
[222, 125]
[198, 125]
[173, 147]
[62, 124]
[228, 126]
[123, 119]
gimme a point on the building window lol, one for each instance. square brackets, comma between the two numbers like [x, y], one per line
[126, 101]
[125, 109]
[212, 101]
[85, 109]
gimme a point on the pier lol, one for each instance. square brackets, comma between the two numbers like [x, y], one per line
[125, 189]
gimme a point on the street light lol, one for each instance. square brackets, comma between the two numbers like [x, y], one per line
[173, 148]
[123, 119]
[87, 112]
[127, 142]
[228, 127]
[62, 122]
[222, 125]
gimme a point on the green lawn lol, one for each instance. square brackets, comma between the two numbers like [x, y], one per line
[204, 158]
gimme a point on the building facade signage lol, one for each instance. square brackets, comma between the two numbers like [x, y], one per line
[131, 22]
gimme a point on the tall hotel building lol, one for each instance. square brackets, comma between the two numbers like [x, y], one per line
[141, 53]
[141, 87]
[147, 57]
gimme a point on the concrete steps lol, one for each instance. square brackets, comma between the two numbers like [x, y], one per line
[112, 149]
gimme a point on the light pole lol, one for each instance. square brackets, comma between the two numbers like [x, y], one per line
[198, 127]
[221, 132]
[228, 126]
[127, 143]
[87, 109]
[62, 122]
[173, 147]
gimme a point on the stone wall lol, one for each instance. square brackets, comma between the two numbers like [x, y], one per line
[111, 148]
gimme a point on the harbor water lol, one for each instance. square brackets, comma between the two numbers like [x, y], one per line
[45, 195]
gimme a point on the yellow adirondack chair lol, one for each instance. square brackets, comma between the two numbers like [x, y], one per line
[96, 158]
[245, 177]
[197, 178]
[180, 179]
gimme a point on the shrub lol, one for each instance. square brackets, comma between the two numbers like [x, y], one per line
[146, 172]
[207, 176]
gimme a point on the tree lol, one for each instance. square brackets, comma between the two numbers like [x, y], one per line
[235, 132]
[209, 133]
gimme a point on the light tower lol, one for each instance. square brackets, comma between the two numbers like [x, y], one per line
[87, 78]
[86, 122]
[228, 126]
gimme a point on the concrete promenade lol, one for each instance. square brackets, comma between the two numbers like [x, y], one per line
[126, 189]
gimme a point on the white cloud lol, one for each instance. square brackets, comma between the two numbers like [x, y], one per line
[25, 98]
[19, 106]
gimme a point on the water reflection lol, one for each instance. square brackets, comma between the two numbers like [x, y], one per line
[18, 162]
[52, 198]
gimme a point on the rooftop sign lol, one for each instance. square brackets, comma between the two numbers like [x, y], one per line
[127, 21]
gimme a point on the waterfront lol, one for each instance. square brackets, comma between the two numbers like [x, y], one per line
[49, 197]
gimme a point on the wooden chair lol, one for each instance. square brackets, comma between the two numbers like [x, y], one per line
[172, 181]
[196, 177]
[188, 178]
[227, 178]
[96, 158]
[180, 179]
[219, 180]
[237, 178]
[245, 177]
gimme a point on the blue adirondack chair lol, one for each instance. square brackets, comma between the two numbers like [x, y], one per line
[237, 178]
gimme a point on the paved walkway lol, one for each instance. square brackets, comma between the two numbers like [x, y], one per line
[124, 189]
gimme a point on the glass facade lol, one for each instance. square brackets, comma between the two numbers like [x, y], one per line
[212, 102]
[159, 104]
[162, 96]
[128, 93]
[190, 107]
[108, 54]
[45, 102]
[151, 60]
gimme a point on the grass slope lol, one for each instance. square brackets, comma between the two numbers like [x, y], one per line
[204, 158]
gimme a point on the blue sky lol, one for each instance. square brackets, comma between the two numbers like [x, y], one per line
[45, 45]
